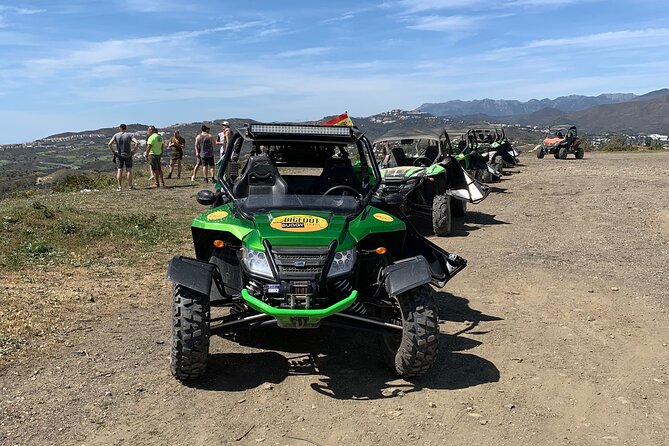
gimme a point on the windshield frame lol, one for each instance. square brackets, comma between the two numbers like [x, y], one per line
[355, 137]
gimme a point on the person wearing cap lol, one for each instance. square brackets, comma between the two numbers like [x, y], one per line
[154, 151]
[204, 150]
[176, 144]
[123, 155]
[223, 137]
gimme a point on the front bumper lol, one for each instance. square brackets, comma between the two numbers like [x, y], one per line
[298, 318]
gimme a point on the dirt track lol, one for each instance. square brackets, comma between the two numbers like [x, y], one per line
[556, 333]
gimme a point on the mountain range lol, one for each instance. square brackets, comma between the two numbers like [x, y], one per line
[505, 107]
[603, 114]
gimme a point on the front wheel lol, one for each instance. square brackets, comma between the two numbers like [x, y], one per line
[579, 154]
[441, 215]
[563, 153]
[190, 333]
[414, 351]
[540, 152]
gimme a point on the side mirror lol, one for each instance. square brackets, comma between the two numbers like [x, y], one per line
[205, 197]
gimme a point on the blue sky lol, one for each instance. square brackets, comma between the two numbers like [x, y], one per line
[74, 65]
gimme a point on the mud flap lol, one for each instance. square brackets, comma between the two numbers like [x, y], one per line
[405, 274]
[507, 156]
[192, 273]
[443, 265]
[462, 186]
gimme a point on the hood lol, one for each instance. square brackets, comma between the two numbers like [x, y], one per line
[403, 172]
[308, 229]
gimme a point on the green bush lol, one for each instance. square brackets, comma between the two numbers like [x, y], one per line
[77, 182]
[618, 144]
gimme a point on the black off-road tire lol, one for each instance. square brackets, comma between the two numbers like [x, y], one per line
[579, 153]
[414, 351]
[563, 153]
[441, 215]
[458, 207]
[190, 333]
[540, 152]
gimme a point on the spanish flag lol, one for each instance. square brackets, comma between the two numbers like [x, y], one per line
[342, 119]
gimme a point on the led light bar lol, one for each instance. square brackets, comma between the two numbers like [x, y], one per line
[274, 129]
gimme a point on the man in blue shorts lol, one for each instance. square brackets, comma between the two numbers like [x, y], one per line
[123, 155]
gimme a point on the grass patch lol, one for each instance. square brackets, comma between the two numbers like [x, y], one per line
[36, 234]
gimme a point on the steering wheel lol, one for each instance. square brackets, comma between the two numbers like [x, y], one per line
[343, 187]
[423, 161]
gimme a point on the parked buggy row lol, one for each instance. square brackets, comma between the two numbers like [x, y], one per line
[309, 226]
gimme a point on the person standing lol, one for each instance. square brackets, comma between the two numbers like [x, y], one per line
[223, 137]
[198, 157]
[123, 155]
[154, 151]
[176, 145]
[204, 149]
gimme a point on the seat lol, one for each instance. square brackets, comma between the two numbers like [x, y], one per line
[260, 176]
[431, 153]
[400, 157]
[338, 172]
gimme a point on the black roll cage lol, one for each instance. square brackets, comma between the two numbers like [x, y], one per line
[234, 147]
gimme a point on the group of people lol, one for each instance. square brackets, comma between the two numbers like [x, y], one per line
[127, 145]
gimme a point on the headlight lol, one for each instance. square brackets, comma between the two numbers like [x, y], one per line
[342, 263]
[256, 262]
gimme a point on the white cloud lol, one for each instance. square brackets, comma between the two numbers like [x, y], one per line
[444, 23]
[304, 52]
[92, 54]
[20, 11]
[617, 41]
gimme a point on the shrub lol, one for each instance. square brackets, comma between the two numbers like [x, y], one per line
[77, 182]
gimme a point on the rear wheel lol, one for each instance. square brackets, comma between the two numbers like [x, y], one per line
[190, 333]
[458, 207]
[441, 215]
[415, 350]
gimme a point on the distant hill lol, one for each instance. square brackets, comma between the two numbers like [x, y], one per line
[504, 107]
[634, 117]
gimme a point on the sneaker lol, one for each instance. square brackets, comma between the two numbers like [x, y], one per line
[192, 178]
[169, 176]
[118, 189]
[153, 186]
[131, 188]
[151, 177]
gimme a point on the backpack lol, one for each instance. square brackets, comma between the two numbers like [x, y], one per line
[206, 147]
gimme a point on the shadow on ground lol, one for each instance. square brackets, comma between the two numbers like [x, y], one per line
[460, 227]
[347, 364]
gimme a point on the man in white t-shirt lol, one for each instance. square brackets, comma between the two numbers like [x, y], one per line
[223, 137]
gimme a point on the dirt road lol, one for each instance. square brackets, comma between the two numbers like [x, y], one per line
[556, 333]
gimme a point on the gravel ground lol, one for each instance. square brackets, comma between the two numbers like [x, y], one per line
[556, 333]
